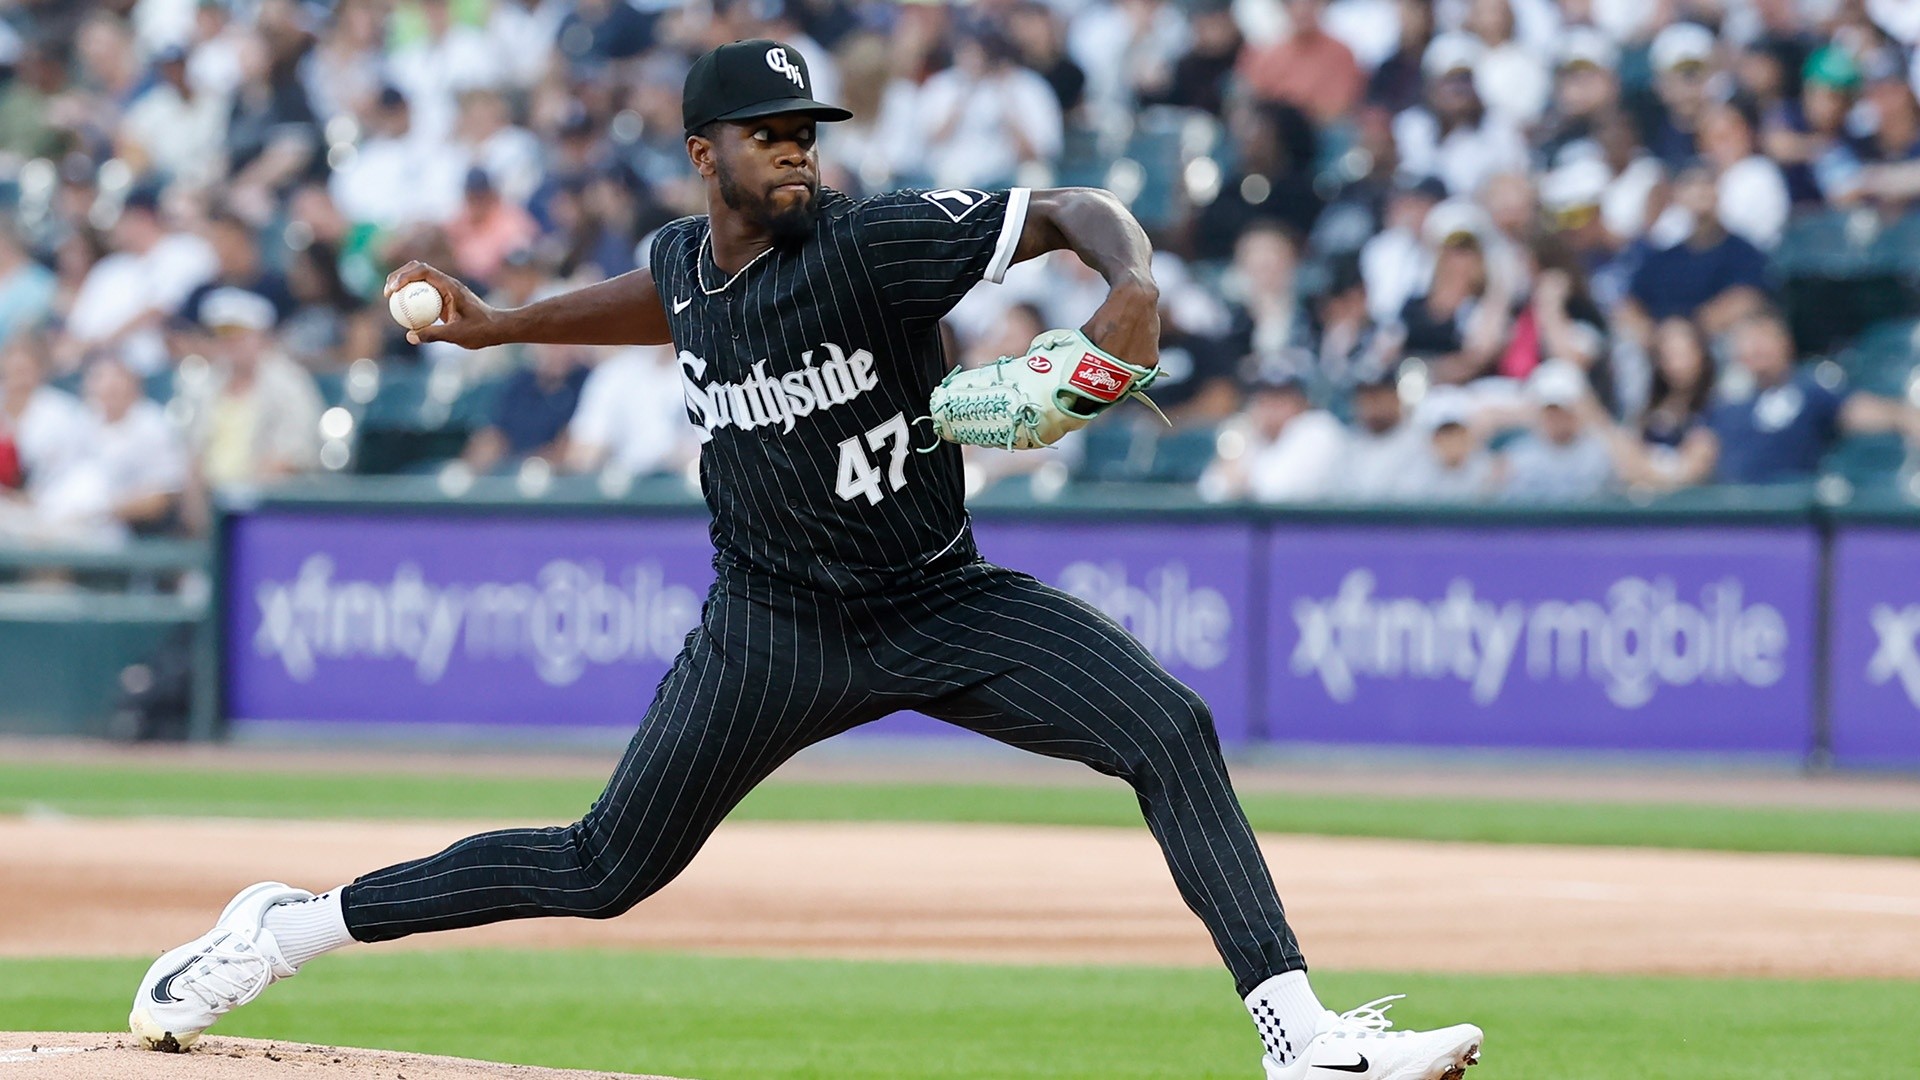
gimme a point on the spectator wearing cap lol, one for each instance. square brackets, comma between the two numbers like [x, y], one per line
[1585, 89]
[536, 404]
[1671, 445]
[1510, 76]
[986, 116]
[1571, 196]
[1809, 137]
[175, 128]
[1710, 275]
[486, 228]
[397, 177]
[1683, 58]
[1397, 83]
[125, 480]
[1458, 322]
[1272, 178]
[1563, 456]
[128, 294]
[1308, 69]
[1752, 193]
[1383, 449]
[1452, 136]
[255, 416]
[236, 247]
[1280, 449]
[631, 418]
[1786, 422]
[1454, 465]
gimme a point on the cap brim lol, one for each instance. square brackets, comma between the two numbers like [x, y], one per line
[819, 110]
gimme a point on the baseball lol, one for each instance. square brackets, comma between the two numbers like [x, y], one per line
[415, 305]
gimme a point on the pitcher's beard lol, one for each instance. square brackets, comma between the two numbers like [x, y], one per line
[786, 226]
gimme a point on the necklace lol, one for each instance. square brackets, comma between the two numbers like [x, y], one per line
[706, 251]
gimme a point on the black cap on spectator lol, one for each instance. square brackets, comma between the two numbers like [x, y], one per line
[142, 197]
[78, 170]
[478, 182]
[391, 98]
[170, 54]
[577, 124]
[1431, 187]
[746, 79]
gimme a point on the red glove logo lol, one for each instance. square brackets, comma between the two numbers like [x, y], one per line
[1040, 364]
[1099, 379]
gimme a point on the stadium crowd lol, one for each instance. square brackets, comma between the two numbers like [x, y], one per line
[1409, 249]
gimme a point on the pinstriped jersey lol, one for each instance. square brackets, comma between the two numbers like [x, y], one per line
[807, 373]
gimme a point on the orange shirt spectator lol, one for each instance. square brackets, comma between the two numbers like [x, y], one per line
[487, 229]
[1309, 69]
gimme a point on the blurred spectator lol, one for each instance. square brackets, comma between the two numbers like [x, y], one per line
[1270, 329]
[126, 480]
[26, 287]
[535, 406]
[1706, 274]
[1559, 319]
[986, 116]
[1809, 137]
[41, 428]
[237, 251]
[523, 33]
[1510, 76]
[127, 295]
[435, 67]
[32, 109]
[486, 229]
[1395, 262]
[1459, 322]
[1683, 66]
[1454, 467]
[317, 331]
[1280, 449]
[1586, 88]
[1384, 452]
[1671, 446]
[1790, 418]
[343, 71]
[1452, 136]
[1562, 457]
[1351, 345]
[632, 418]
[1272, 179]
[273, 137]
[510, 154]
[1041, 44]
[174, 127]
[1397, 83]
[255, 416]
[1200, 78]
[1892, 178]
[1308, 69]
[1128, 49]
[397, 177]
[1752, 193]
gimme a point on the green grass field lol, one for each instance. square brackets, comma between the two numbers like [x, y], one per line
[725, 1018]
[715, 1018]
[125, 791]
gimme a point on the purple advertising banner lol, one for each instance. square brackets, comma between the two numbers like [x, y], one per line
[1876, 647]
[572, 621]
[1696, 639]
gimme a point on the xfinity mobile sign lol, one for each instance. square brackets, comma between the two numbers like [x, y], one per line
[1695, 639]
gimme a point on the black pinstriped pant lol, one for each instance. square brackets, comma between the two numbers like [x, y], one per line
[774, 668]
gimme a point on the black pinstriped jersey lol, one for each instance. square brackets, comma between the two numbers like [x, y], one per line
[806, 371]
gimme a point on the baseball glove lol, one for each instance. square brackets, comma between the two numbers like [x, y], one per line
[1026, 402]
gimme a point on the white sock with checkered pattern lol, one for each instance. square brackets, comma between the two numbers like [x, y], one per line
[1287, 1014]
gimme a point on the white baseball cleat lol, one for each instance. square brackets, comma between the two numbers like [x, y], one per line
[1361, 1045]
[190, 987]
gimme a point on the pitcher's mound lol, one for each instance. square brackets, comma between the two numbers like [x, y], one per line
[69, 1056]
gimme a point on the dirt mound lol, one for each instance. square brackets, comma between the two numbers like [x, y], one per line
[70, 1056]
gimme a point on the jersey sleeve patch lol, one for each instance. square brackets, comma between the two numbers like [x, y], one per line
[956, 203]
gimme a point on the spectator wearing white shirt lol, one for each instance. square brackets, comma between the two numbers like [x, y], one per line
[1511, 77]
[175, 127]
[128, 479]
[1753, 192]
[632, 416]
[523, 33]
[986, 116]
[126, 296]
[1126, 47]
[1280, 450]
[1453, 136]
[397, 177]
[434, 70]
[41, 428]
[1384, 449]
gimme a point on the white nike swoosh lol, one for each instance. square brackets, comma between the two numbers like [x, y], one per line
[681, 305]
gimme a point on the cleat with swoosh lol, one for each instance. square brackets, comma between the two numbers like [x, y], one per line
[1363, 1044]
[190, 987]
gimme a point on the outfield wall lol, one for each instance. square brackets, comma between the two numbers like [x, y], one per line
[1771, 629]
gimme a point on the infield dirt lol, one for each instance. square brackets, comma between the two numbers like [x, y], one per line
[73, 887]
[66, 1056]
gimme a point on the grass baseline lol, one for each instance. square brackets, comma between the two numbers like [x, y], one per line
[128, 791]
[732, 1018]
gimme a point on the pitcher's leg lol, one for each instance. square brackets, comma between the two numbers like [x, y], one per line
[1068, 682]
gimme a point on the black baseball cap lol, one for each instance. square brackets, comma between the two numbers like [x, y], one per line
[745, 79]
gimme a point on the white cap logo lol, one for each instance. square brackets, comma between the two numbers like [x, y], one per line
[777, 60]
